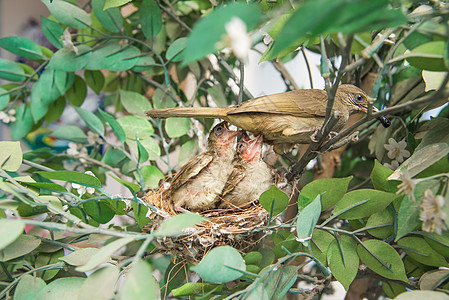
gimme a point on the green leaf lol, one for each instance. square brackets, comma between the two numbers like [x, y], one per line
[91, 120]
[362, 203]
[10, 156]
[139, 283]
[429, 56]
[136, 127]
[175, 50]
[419, 295]
[439, 243]
[343, 260]
[68, 14]
[220, 265]
[142, 153]
[114, 3]
[176, 127]
[135, 103]
[150, 18]
[320, 242]
[11, 71]
[70, 133]
[140, 214]
[151, 146]
[54, 83]
[44, 259]
[52, 31]
[80, 257]
[418, 249]
[23, 245]
[110, 18]
[114, 57]
[408, 217]
[61, 288]
[100, 211]
[21, 46]
[177, 223]
[330, 189]
[382, 259]
[100, 285]
[104, 254]
[77, 92]
[275, 284]
[274, 200]
[217, 93]
[197, 288]
[307, 220]
[144, 63]
[28, 287]
[379, 179]
[116, 127]
[67, 60]
[95, 80]
[4, 98]
[72, 176]
[151, 176]
[210, 29]
[130, 185]
[23, 124]
[381, 218]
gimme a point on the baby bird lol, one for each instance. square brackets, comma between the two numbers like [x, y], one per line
[250, 175]
[199, 182]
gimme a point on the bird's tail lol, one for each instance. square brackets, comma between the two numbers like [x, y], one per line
[193, 112]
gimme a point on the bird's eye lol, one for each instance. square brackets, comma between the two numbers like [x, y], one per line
[359, 97]
[240, 146]
[218, 129]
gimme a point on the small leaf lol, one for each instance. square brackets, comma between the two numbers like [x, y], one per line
[110, 18]
[104, 254]
[151, 176]
[68, 61]
[4, 98]
[135, 103]
[100, 285]
[10, 156]
[408, 217]
[140, 214]
[77, 92]
[23, 245]
[432, 279]
[113, 57]
[343, 260]
[274, 200]
[68, 13]
[72, 176]
[91, 120]
[115, 125]
[11, 71]
[21, 46]
[61, 288]
[419, 295]
[69, 133]
[197, 288]
[175, 50]
[176, 127]
[418, 249]
[44, 259]
[150, 18]
[177, 223]
[429, 56]
[114, 3]
[131, 186]
[440, 243]
[100, 211]
[52, 31]
[28, 288]
[144, 63]
[307, 220]
[379, 178]
[10, 230]
[380, 219]
[142, 153]
[382, 259]
[95, 80]
[80, 257]
[330, 189]
[136, 127]
[220, 265]
[139, 283]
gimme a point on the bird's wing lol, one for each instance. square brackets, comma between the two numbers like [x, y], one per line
[237, 174]
[301, 103]
[192, 168]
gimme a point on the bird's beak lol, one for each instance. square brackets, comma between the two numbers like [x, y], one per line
[383, 120]
[245, 136]
[254, 150]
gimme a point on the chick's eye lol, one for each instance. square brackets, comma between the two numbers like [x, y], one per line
[218, 129]
[240, 146]
[359, 97]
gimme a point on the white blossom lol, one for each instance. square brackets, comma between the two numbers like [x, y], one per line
[8, 117]
[407, 185]
[81, 154]
[81, 189]
[432, 214]
[93, 138]
[237, 38]
[396, 150]
[393, 166]
[67, 41]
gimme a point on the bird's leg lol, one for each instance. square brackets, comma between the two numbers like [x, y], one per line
[181, 210]
[313, 137]
[291, 160]
[354, 137]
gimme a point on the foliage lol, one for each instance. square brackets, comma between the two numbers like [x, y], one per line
[59, 223]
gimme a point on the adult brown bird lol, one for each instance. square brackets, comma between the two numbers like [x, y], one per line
[284, 119]
[199, 182]
[250, 175]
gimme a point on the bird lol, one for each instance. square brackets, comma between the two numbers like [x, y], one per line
[250, 175]
[197, 184]
[284, 119]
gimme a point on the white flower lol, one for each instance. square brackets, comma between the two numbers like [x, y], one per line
[82, 189]
[237, 38]
[8, 117]
[67, 41]
[432, 214]
[394, 165]
[73, 150]
[407, 185]
[396, 150]
[93, 138]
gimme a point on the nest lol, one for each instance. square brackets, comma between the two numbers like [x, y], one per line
[240, 228]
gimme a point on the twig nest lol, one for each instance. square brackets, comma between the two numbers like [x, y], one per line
[240, 228]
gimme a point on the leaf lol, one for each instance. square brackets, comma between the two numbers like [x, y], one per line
[10, 156]
[274, 200]
[439, 243]
[4, 98]
[176, 127]
[61, 288]
[68, 61]
[100, 285]
[197, 288]
[136, 127]
[330, 189]
[177, 223]
[44, 259]
[382, 259]
[104, 254]
[69, 133]
[362, 203]
[381, 218]
[140, 214]
[11, 71]
[68, 14]
[91, 120]
[77, 92]
[210, 29]
[408, 217]
[379, 178]
[72, 176]
[135, 103]
[418, 249]
[150, 18]
[175, 50]
[419, 295]
[22, 47]
[79, 257]
[307, 220]
[139, 283]
[432, 279]
[28, 287]
[151, 176]
[429, 56]
[220, 265]
[421, 160]
[52, 31]
[114, 3]
[343, 260]
[95, 80]
[10, 230]
[142, 153]
[144, 63]
[115, 125]
[114, 57]
[152, 147]
[274, 285]
[320, 242]
[433, 80]
[253, 258]
[130, 185]
[110, 18]
[216, 92]
[23, 245]
[100, 211]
